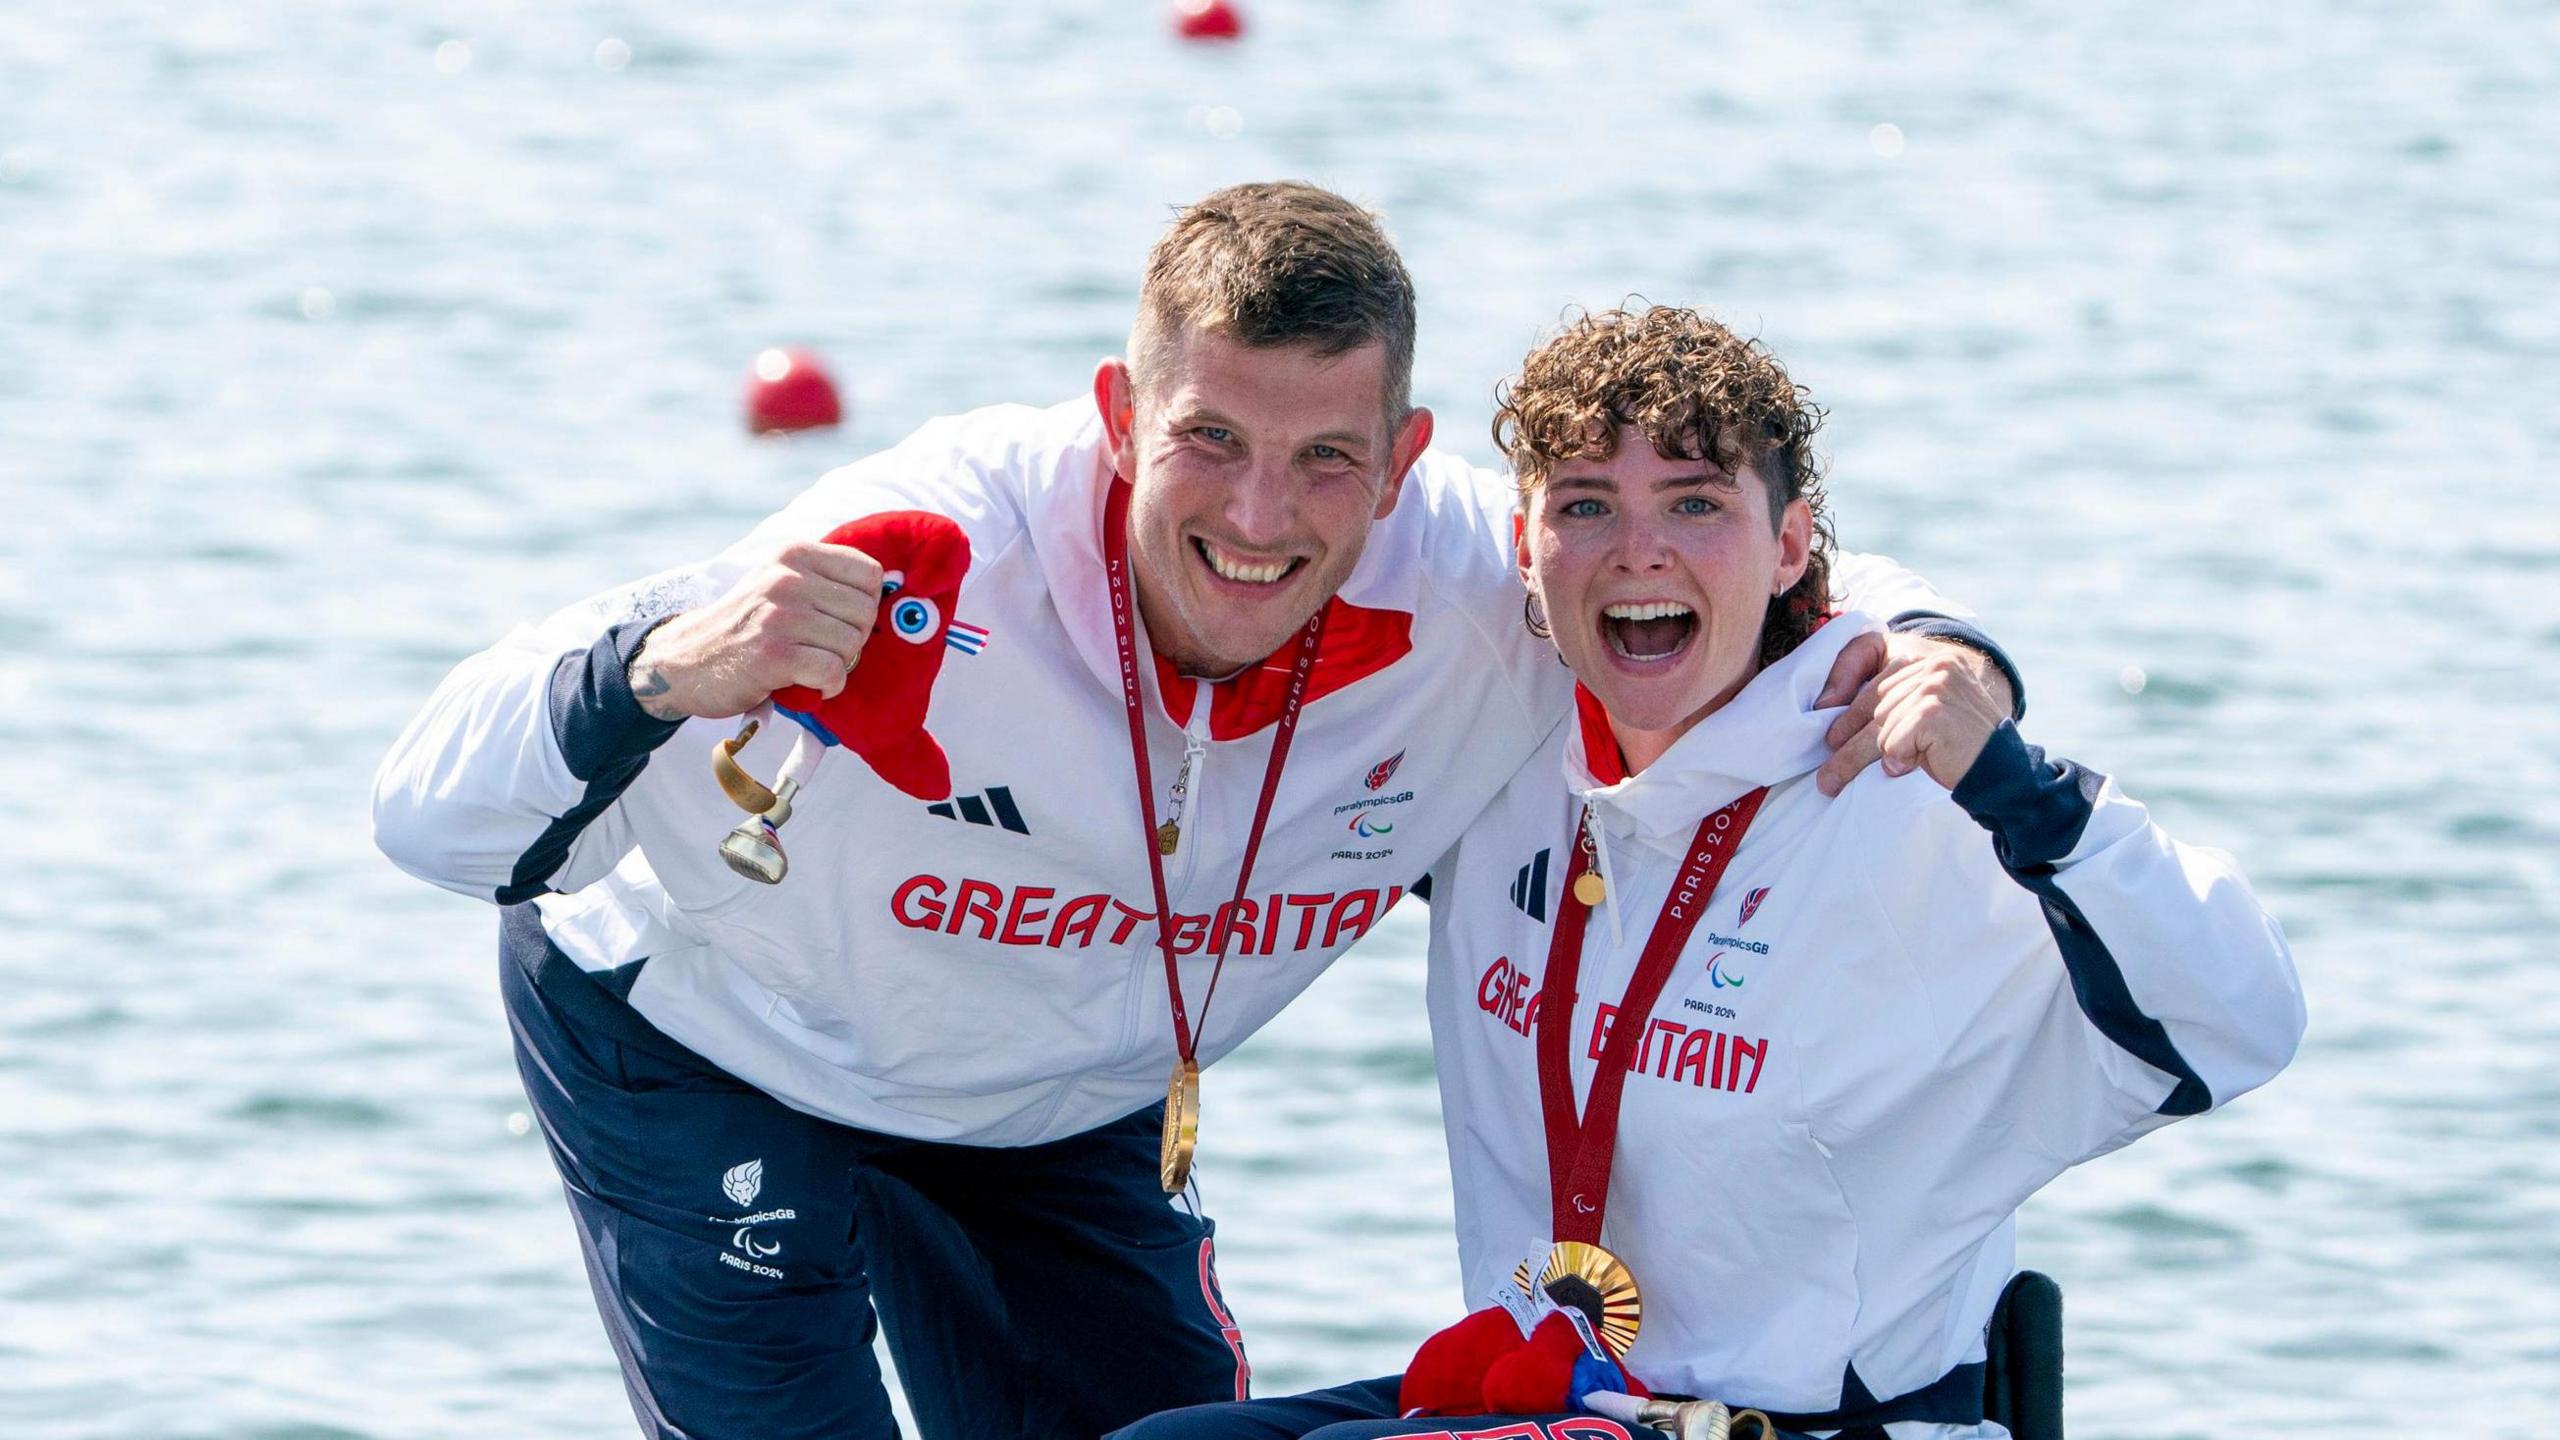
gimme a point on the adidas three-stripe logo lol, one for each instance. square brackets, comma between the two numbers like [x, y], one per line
[1529, 890]
[976, 810]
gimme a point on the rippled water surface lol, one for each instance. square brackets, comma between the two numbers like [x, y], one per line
[2209, 351]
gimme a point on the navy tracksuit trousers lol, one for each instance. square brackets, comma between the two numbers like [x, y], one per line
[1364, 1410]
[743, 1254]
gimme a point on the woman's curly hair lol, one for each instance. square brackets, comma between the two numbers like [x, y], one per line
[1698, 392]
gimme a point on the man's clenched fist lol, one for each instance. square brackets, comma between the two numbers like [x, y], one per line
[798, 619]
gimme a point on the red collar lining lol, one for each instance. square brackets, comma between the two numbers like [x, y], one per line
[1358, 643]
[1600, 752]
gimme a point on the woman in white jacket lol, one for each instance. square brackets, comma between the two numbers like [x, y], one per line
[1744, 1083]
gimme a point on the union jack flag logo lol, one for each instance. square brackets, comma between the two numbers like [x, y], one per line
[1751, 905]
[1384, 770]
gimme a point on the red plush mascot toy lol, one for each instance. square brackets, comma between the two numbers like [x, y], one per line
[879, 714]
[1483, 1365]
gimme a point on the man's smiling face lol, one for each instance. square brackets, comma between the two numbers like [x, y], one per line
[1255, 473]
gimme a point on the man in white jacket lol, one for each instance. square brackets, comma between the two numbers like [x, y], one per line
[925, 1072]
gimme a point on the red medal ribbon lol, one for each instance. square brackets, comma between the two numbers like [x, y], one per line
[1580, 1152]
[1115, 564]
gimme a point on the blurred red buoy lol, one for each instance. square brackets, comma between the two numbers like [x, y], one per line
[790, 390]
[1206, 20]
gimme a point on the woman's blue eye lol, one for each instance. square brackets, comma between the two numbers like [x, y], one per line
[915, 619]
[1579, 508]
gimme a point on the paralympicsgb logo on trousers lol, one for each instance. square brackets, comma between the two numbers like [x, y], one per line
[746, 1250]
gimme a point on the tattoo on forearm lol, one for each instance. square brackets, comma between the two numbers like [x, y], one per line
[649, 686]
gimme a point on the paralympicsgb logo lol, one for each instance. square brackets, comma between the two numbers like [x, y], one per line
[747, 1250]
[1384, 771]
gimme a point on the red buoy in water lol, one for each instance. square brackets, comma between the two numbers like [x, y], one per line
[790, 390]
[1206, 20]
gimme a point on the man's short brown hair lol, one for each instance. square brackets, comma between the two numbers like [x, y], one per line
[1279, 263]
[1698, 392]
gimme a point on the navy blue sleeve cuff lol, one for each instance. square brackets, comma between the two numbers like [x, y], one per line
[605, 737]
[2035, 808]
[1958, 632]
[594, 716]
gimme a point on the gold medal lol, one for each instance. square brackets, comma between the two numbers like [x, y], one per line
[1168, 837]
[1588, 888]
[1594, 1282]
[1181, 1127]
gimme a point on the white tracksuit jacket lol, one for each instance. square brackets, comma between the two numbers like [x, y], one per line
[986, 971]
[1880, 1040]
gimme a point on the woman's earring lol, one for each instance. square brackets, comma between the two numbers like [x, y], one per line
[1534, 615]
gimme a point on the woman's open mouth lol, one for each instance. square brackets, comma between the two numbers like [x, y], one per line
[1243, 571]
[1650, 630]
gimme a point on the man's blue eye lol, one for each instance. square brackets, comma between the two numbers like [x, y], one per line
[1219, 434]
[1327, 452]
[1580, 508]
[1696, 505]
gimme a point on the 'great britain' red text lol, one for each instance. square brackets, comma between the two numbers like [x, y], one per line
[1669, 1050]
[1034, 915]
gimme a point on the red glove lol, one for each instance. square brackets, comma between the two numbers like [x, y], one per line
[1448, 1373]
